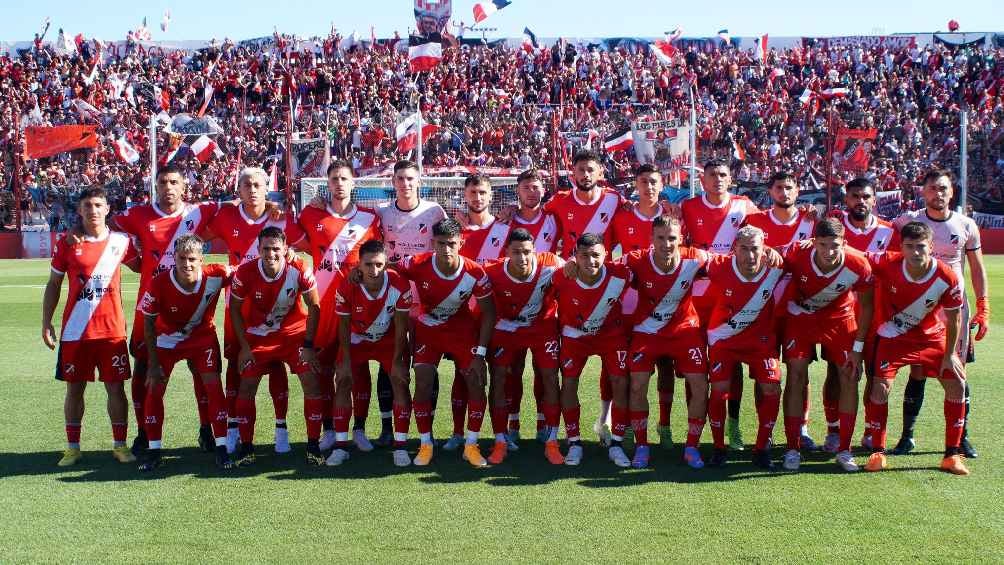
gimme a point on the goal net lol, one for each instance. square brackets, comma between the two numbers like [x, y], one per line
[447, 191]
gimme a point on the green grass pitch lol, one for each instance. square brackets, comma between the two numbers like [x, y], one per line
[522, 510]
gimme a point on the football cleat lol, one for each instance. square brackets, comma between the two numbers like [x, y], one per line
[245, 455]
[876, 462]
[512, 440]
[719, 458]
[967, 449]
[735, 434]
[385, 439]
[602, 433]
[866, 441]
[792, 460]
[139, 444]
[542, 434]
[903, 446]
[574, 456]
[233, 440]
[401, 458]
[151, 461]
[665, 437]
[122, 454]
[282, 440]
[454, 443]
[314, 456]
[832, 443]
[954, 465]
[761, 458]
[327, 440]
[617, 455]
[362, 442]
[499, 451]
[692, 457]
[223, 460]
[641, 457]
[553, 453]
[71, 456]
[207, 442]
[337, 457]
[808, 443]
[846, 461]
[424, 456]
[473, 455]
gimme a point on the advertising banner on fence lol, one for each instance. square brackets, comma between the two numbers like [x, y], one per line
[988, 221]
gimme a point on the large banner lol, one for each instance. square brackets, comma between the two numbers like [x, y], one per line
[891, 41]
[991, 221]
[665, 144]
[852, 149]
[48, 141]
[888, 203]
[431, 16]
[960, 39]
[310, 157]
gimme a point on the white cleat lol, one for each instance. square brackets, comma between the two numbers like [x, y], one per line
[282, 440]
[401, 458]
[337, 457]
[233, 438]
[846, 461]
[574, 456]
[792, 460]
[327, 440]
[362, 442]
[603, 433]
[618, 456]
[832, 443]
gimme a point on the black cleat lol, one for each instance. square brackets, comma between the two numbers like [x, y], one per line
[903, 446]
[223, 460]
[967, 449]
[761, 458]
[245, 455]
[206, 440]
[140, 444]
[719, 458]
[314, 455]
[386, 439]
[151, 461]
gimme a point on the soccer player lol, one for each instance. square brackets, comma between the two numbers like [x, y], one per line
[710, 222]
[178, 310]
[526, 319]
[238, 227]
[592, 323]
[447, 324]
[915, 290]
[93, 334]
[821, 310]
[272, 323]
[741, 329]
[956, 242]
[666, 327]
[335, 233]
[373, 325]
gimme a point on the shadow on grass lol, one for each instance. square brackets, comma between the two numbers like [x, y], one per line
[526, 467]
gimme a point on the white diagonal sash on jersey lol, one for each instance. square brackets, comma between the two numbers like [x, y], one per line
[749, 312]
[664, 310]
[190, 218]
[594, 322]
[844, 280]
[252, 253]
[607, 207]
[531, 309]
[730, 225]
[284, 301]
[880, 240]
[548, 229]
[381, 323]
[912, 315]
[803, 231]
[343, 243]
[451, 304]
[493, 243]
[94, 290]
[171, 340]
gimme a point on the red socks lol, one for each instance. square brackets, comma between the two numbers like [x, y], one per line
[619, 421]
[217, 408]
[402, 419]
[326, 386]
[278, 388]
[73, 432]
[362, 391]
[313, 411]
[955, 412]
[538, 394]
[876, 416]
[201, 400]
[716, 416]
[458, 402]
[572, 422]
[153, 407]
[233, 383]
[793, 431]
[475, 415]
[423, 417]
[665, 406]
[847, 421]
[500, 419]
[552, 415]
[138, 391]
[833, 416]
[606, 388]
[695, 427]
[766, 412]
[639, 424]
[245, 418]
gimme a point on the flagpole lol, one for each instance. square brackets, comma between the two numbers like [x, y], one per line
[963, 159]
[289, 155]
[829, 158]
[418, 147]
[693, 143]
[153, 157]
[16, 180]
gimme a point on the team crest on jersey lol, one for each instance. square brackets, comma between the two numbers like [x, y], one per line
[548, 236]
[802, 235]
[954, 238]
[880, 244]
[929, 303]
[604, 217]
[423, 228]
[69, 368]
[189, 225]
[637, 357]
[684, 284]
[326, 265]
[495, 242]
[884, 365]
[717, 366]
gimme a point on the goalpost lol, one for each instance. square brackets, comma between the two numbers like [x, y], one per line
[447, 191]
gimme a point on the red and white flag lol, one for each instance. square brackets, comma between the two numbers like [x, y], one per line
[204, 147]
[206, 98]
[760, 50]
[125, 151]
[424, 55]
[484, 9]
[406, 133]
[806, 96]
[620, 141]
[834, 93]
[663, 51]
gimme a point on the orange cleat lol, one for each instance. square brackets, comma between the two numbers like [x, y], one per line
[473, 455]
[499, 451]
[954, 465]
[553, 453]
[876, 462]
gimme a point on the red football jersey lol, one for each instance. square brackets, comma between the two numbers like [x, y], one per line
[371, 317]
[777, 234]
[576, 217]
[445, 302]
[713, 228]
[526, 306]
[156, 231]
[742, 316]
[185, 318]
[335, 240]
[816, 297]
[632, 230]
[484, 244]
[240, 232]
[543, 228]
[593, 311]
[93, 307]
[877, 237]
[665, 305]
[910, 309]
[272, 309]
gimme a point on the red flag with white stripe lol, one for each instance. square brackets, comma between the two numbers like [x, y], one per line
[620, 141]
[125, 151]
[663, 51]
[204, 148]
[424, 56]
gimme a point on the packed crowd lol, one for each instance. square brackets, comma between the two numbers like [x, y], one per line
[495, 104]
